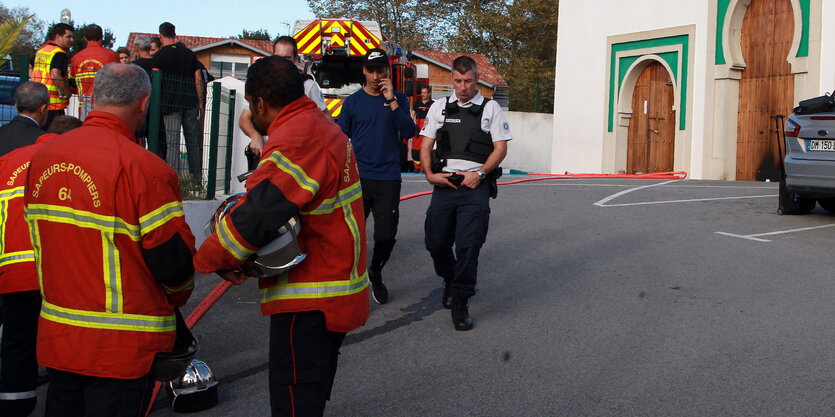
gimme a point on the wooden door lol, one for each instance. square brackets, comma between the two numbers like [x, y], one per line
[765, 89]
[651, 143]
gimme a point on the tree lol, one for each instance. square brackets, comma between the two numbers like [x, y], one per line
[520, 38]
[255, 35]
[10, 30]
[29, 39]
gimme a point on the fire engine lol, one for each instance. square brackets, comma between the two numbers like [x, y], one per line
[333, 50]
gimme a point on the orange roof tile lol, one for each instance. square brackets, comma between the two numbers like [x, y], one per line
[193, 42]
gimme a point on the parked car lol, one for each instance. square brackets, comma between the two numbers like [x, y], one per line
[810, 158]
[8, 85]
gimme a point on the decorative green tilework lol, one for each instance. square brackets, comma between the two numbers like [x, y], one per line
[622, 64]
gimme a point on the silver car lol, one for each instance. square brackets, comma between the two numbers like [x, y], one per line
[810, 160]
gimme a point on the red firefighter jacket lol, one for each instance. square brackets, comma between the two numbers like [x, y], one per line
[113, 250]
[87, 62]
[17, 259]
[307, 167]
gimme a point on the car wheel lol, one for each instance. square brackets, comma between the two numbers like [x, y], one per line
[791, 203]
[828, 204]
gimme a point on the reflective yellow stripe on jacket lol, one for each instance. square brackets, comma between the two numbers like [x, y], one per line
[284, 290]
[295, 171]
[109, 321]
[113, 317]
[8, 258]
[224, 232]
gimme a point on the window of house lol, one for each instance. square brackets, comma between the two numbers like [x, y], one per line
[223, 65]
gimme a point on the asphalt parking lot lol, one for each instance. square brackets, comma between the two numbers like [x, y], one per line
[596, 297]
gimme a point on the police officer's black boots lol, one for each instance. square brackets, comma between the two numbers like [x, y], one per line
[460, 315]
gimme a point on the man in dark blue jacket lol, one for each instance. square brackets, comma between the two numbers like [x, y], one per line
[32, 103]
[375, 118]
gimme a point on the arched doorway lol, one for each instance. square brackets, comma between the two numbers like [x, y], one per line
[766, 87]
[651, 142]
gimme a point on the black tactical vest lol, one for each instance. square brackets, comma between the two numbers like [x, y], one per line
[461, 136]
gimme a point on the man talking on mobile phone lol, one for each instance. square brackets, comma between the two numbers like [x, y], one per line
[375, 118]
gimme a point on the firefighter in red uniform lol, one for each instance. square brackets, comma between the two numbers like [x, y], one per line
[307, 168]
[19, 281]
[87, 62]
[113, 254]
[50, 69]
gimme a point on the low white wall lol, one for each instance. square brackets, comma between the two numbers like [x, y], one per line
[530, 149]
[198, 214]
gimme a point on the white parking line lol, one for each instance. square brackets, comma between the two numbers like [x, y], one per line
[602, 203]
[688, 201]
[755, 237]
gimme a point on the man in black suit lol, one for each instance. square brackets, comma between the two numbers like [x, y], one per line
[32, 103]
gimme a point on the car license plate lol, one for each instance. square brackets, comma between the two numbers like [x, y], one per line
[820, 145]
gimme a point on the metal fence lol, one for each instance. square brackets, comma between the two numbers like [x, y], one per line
[193, 136]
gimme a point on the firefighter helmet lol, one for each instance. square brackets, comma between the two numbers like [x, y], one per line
[277, 256]
[195, 390]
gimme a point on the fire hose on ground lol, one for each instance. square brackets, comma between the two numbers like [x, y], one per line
[223, 286]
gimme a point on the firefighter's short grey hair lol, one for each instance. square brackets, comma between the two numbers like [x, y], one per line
[143, 43]
[120, 85]
[29, 96]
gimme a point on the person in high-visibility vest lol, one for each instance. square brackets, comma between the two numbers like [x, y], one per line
[87, 62]
[19, 280]
[50, 68]
[308, 168]
[113, 254]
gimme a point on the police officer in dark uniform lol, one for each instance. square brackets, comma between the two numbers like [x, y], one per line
[471, 134]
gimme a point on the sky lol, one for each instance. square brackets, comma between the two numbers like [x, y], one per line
[212, 18]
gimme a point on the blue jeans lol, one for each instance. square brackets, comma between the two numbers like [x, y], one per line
[458, 217]
[190, 122]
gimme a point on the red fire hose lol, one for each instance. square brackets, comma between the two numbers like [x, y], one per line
[221, 288]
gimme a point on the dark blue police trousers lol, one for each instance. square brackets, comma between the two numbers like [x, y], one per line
[458, 217]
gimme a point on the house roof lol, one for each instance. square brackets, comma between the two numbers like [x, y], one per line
[487, 73]
[199, 43]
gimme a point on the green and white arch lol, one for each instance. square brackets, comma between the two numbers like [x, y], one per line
[628, 55]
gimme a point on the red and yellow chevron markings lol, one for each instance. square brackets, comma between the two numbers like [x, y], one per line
[339, 31]
[334, 106]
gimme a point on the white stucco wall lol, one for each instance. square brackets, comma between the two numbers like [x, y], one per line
[530, 149]
[198, 213]
[580, 104]
[581, 138]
